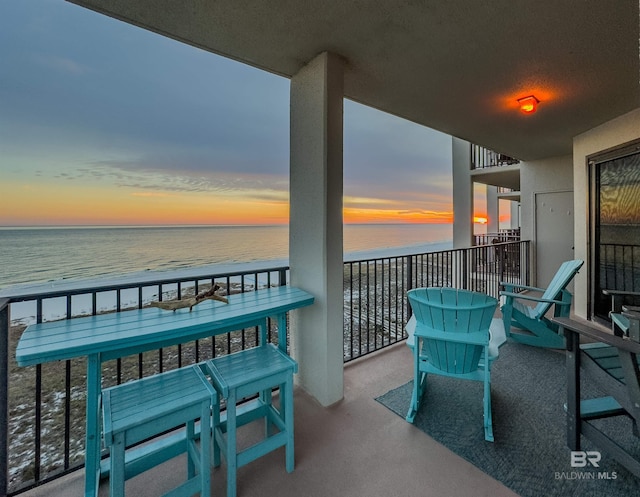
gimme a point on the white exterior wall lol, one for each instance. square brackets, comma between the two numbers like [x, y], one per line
[515, 214]
[542, 176]
[493, 210]
[612, 134]
[462, 194]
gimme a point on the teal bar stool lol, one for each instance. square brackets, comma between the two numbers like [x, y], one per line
[138, 410]
[243, 374]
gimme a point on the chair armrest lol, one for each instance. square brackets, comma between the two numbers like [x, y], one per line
[524, 287]
[631, 311]
[598, 335]
[530, 297]
[616, 297]
[607, 291]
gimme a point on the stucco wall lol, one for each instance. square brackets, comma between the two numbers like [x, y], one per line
[612, 134]
[462, 193]
[554, 174]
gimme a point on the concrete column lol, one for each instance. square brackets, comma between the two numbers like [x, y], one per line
[515, 215]
[493, 210]
[315, 226]
[462, 194]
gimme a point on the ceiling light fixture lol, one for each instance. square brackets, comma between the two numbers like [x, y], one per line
[529, 104]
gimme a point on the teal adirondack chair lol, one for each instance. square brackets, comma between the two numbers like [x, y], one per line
[539, 330]
[452, 338]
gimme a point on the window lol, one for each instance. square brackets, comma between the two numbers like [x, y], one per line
[615, 226]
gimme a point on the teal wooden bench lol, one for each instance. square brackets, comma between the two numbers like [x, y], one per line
[140, 409]
[108, 336]
[243, 374]
[612, 363]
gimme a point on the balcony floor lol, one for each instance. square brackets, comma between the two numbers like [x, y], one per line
[356, 447]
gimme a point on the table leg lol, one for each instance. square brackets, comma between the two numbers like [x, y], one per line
[264, 331]
[92, 440]
[282, 332]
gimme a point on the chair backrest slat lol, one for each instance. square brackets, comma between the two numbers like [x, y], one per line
[561, 279]
[452, 311]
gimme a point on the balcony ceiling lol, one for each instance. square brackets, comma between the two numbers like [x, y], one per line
[457, 66]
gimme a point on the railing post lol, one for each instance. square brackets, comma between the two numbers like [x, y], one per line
[527, 254]
[282, 272]
[409, 284]
[4, 396]
[465, 268]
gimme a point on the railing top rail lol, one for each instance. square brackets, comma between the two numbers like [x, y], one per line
[619, 245]
[63, 289]
[415, 254]
[503, 242]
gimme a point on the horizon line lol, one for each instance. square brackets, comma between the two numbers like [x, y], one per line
[188, 225]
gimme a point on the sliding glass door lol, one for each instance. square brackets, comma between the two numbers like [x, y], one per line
[615, 233]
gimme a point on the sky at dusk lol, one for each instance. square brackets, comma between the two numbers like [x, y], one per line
[105, 123]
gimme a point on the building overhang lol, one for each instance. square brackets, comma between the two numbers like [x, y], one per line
[457, 66]
[501, 176]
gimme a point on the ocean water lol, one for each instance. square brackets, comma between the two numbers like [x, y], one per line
[43, 255]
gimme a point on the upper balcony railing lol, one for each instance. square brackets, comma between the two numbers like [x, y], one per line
[505, 235]
[42, 408]
[482, 158]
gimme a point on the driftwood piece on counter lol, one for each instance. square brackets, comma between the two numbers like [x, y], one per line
[173, 305]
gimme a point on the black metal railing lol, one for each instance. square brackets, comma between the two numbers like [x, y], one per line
[482, 158]
[42, 408]
[618, 268]
[375, 304]
[506, 235]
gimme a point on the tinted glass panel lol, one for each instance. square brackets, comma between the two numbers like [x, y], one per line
[617, 233]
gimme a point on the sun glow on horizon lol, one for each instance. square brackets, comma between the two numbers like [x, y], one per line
[352, 215]
[71, 205]
[46, 202]
[480, 220]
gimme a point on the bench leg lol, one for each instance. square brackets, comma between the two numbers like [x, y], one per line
[286, 407]
[232, 455]
[93, 425]
[266, 399]
[205, 450]
[190, 435]
[116, 476]
[215, 423]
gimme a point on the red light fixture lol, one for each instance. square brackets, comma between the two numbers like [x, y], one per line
[529, 104]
